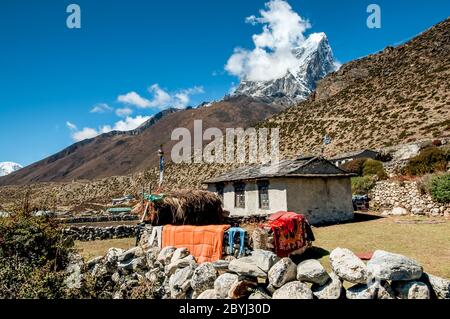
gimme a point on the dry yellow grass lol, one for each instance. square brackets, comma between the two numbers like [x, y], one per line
[418, 238]
[96, 248]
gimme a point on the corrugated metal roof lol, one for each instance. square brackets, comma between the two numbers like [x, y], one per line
[301, 167]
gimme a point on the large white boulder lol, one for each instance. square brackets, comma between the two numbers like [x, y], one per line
[165, 255]
[361, 291]
[203, 277]
[246, 266]
[312, 271]
[293, 290]
[282, 272]
[223, 284]
[348, 266]
[264, 259]
[389, 266]
[411, 289]
[332, 289]
[179, 282]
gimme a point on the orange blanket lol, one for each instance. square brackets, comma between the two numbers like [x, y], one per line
[203, 242]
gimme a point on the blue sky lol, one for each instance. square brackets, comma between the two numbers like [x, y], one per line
[51, 75]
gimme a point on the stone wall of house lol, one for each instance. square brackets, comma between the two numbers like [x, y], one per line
[89, 233]
[389, 196]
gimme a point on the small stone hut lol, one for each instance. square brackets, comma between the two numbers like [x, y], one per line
[312, 186]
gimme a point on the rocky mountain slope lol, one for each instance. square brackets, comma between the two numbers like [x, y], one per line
[396, 96]
[122, 153]
[315, 61]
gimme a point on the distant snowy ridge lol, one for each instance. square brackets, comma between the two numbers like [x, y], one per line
[315, 61]
[7, 168]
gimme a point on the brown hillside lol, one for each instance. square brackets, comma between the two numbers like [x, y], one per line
[399, 95]
[122, 153]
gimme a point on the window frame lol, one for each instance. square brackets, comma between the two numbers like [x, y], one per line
[239, 195]
[263, 189]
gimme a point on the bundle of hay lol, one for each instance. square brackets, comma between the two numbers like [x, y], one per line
[186, 207]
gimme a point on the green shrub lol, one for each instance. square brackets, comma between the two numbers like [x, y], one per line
[33, 256]
[373, 167]
[362, 185]
[440, 188]
[34, 240]
[429, 161]
[366, 167]
[356, 166]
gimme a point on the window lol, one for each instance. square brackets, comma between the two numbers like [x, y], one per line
[239, 195]
[220, 190]
[263, 193]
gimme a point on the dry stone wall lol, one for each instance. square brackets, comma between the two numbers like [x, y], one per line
[172, 273]
[404, 198]
[90, 233]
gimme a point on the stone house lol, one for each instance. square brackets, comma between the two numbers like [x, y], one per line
[312, 186]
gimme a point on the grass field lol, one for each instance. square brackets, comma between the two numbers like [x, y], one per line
[424, 239]
[96, 248]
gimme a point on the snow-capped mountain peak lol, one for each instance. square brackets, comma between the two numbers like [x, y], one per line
[315, 61]
[7, 168]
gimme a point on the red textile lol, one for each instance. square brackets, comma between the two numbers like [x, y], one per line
[289, 232]
[365, 255]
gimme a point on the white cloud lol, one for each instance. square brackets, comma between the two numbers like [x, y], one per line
[179, 99]
[130, 123]
[84, 134]
[71, 126]
[101, 108]
[127, 124]
[272, 56]
[124, 112]
[133, 98]
[160, 97]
